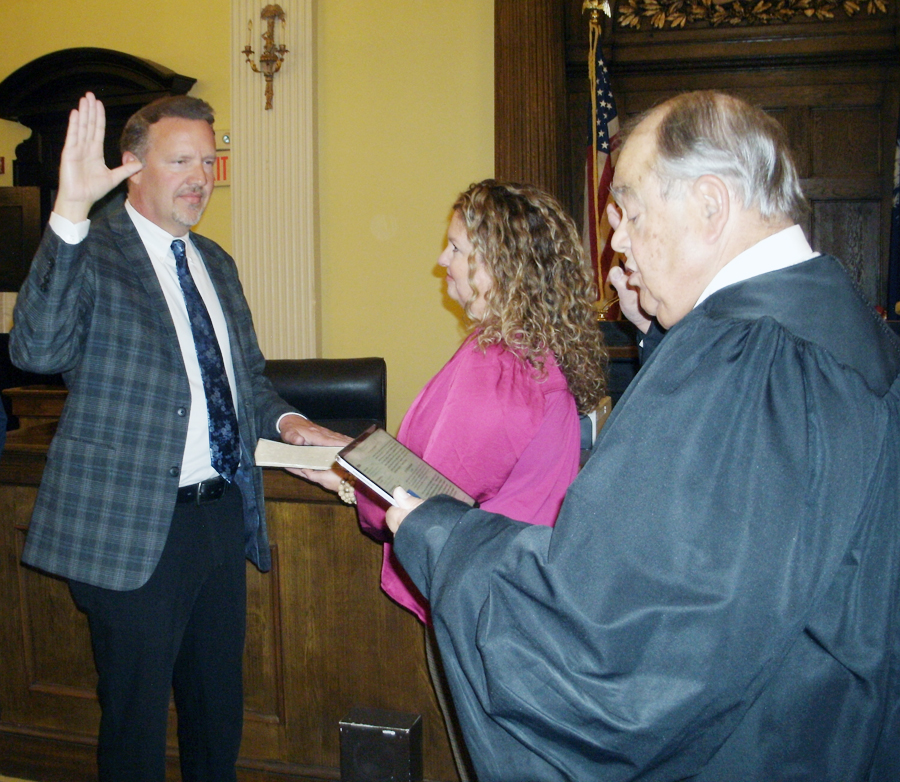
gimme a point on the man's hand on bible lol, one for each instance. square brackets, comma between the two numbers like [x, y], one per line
[297, 430]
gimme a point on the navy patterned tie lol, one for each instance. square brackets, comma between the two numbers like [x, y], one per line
[224, 441]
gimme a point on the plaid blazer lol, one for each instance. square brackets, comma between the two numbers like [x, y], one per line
[96, 313]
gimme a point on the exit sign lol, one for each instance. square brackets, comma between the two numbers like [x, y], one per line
[223, 159]
[223, 170]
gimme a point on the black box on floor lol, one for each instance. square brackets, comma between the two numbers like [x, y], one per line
[378, 745]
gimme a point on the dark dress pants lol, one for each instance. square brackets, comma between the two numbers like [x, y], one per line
[182, 632]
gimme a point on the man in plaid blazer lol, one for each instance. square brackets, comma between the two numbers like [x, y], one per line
[130, 510]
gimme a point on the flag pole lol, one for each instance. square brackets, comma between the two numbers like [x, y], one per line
[605, 305]
[594, 31]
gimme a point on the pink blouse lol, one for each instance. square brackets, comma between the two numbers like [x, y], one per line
[507, 437]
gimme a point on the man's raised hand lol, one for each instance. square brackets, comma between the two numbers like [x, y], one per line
[84, 177]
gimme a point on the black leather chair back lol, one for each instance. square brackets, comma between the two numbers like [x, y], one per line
[347, 395]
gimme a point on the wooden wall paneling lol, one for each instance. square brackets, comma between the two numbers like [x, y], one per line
[264, 698]
[833, 86]
[846, 139]
[850, 229]
[844, 188]
[20, 233]
[62, 671]
[890, 128]
[530, 94]
[48, 678]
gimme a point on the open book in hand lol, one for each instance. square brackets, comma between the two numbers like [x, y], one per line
[383, 463]
[271, 453]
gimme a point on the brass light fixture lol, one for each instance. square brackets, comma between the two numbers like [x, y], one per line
[272, 55]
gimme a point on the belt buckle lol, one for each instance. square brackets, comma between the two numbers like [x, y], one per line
[210, 490]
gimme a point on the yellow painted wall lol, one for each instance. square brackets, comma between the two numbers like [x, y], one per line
[404, 122]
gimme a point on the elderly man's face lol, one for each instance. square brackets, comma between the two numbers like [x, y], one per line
[657, 236]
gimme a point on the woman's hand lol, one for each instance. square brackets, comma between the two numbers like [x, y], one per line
[327, 479]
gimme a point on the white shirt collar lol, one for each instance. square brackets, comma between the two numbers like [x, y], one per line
[157, 240]
[778, 251]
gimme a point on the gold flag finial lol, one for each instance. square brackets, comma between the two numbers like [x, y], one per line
[595, 7]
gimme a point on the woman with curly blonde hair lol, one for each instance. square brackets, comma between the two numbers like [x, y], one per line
[501, 418]
[540, 300]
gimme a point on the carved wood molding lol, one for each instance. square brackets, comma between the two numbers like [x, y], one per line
[659, 14]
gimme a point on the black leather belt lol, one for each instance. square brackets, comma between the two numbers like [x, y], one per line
[209, 490]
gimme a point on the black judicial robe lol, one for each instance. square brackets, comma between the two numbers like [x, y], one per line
[719, 598]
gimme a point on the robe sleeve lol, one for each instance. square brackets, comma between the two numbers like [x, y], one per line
[688, 558]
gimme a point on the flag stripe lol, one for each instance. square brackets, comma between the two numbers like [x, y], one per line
[599, 168]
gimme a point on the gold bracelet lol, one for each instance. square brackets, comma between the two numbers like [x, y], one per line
[346, 490]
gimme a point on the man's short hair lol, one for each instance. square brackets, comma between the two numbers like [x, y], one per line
[134, 136]
[715, 133]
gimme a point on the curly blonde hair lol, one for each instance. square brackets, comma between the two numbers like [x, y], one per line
[542, 293]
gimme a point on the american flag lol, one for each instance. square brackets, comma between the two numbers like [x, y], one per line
[602, 151]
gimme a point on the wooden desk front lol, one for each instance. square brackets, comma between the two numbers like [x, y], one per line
[321, 638]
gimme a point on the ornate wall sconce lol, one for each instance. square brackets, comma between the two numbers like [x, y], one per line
[272, 55]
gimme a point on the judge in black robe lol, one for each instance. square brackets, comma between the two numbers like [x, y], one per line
[720, 597]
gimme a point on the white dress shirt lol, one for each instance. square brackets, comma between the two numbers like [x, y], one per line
[195, 465]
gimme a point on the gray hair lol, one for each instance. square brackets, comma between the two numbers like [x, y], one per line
[714, 133]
